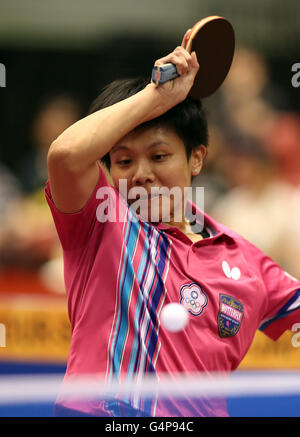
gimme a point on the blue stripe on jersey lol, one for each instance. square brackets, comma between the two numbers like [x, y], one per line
[147, 302]
[126, 281]
[143, 267]
[142, 283]
[150, 303]
[283, 312]
[156, 296]
[150, 278]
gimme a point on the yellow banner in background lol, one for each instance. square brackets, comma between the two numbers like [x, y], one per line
[38, 328]
[265, 353]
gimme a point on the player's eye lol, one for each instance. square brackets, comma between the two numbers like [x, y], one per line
[160, 156]
[123, 162]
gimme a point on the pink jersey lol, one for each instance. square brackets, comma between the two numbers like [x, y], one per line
[119, 275]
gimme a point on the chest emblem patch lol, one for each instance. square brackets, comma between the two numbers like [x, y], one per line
[193, 298]
[230, 315]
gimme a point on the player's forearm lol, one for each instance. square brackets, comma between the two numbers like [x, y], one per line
[89, 139]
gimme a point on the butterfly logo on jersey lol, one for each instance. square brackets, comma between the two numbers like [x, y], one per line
[233, 273]
[230, 315]
[193, 298]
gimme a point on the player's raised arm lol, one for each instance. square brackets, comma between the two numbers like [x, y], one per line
[72, 157]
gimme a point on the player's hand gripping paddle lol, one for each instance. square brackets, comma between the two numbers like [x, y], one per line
[212, 39]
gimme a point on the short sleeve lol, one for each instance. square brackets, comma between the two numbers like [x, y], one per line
[283, 298]
[74, 228]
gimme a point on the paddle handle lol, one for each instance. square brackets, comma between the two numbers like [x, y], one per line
[163, 73]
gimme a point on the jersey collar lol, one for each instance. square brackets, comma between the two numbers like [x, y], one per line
[199, 220]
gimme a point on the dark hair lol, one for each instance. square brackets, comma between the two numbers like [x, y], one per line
[187, 119]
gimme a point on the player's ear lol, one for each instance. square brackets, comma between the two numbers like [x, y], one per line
[197, 158]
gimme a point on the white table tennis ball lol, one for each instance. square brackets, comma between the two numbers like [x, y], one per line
[174, 317]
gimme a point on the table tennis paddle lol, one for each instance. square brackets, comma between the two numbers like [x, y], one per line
[213, 40]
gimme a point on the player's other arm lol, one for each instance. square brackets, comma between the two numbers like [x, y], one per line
[72, 157]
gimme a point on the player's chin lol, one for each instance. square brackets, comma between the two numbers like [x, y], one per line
[157, 209]
[152, 214]
[163, 213]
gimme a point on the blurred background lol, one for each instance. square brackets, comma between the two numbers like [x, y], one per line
[58, 55]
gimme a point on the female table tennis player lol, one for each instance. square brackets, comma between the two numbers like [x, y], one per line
[119, 274]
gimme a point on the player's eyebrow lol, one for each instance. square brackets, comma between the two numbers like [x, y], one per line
[124, 147]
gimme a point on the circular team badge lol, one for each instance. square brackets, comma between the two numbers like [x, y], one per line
[193, 298]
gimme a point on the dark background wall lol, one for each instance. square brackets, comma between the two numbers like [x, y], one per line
[77, 47]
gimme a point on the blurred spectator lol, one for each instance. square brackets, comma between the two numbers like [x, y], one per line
[250, 101]
[249, 79]
[211, 178]
[260, 206]
[29, 239]
[54, 116]
[10, 192]
[260, 161]
[10, 189]
[282, 141]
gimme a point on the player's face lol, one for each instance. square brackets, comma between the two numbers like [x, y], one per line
[155, 158]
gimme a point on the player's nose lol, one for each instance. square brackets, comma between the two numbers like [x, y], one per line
[143, 173]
